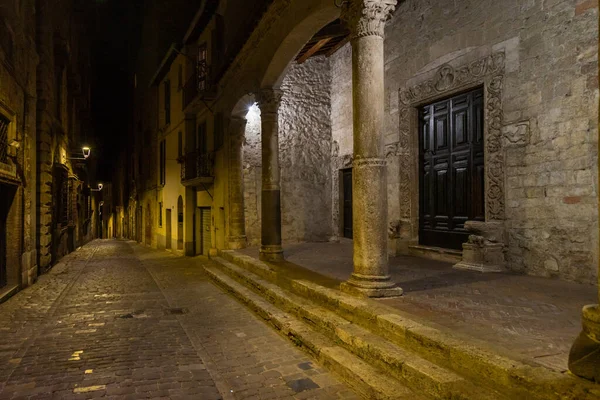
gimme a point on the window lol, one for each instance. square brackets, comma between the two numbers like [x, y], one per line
[180, 77]
[4, 139]
[201, 145]
[167, 102]
[160, 210]
[179, 144]
[163, 161]
[218, 137]
[202, 68]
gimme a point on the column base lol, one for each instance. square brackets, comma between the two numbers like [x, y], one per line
[371, 286]
[237, 242]
[584, 358]
[271, 253]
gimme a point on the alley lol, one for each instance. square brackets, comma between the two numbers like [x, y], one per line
[119, 320]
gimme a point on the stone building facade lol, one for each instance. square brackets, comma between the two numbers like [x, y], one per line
[458, 130]
[532, 72]
[45, 85]
[64, 127]
[18, 62]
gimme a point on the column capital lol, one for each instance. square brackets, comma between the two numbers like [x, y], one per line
[268, 101]
[367, 17]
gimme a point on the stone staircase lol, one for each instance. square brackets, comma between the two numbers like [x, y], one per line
[377, 350]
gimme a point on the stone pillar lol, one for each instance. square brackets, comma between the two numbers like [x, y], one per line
[237, 222]
[270, 249]
[366, 20]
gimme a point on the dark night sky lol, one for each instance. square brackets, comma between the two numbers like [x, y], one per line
[115, 40]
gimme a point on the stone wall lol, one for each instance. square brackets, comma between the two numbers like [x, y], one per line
[305, 148]
[547, 119]
[18, 61]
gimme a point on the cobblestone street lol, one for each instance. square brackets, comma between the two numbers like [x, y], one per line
[118, 320]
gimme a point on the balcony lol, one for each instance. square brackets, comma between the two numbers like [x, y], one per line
[197, 168]
[198, 88]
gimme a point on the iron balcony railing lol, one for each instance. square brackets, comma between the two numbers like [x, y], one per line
[197, 165]
[198, 85]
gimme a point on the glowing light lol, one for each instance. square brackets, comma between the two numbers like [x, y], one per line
[253, 113]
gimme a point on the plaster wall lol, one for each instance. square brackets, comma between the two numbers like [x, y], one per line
[548, 123]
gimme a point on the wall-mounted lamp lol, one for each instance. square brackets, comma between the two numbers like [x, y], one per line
[100, 186]
[85, 150]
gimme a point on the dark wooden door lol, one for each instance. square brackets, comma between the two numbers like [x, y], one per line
[451, 169]
[347, 200]
[4, 204]
[169, 221]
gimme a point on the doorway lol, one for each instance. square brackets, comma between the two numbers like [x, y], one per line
[6, 200]
[451, 169]
[148, 225]
[203, 224]
[347, 202]
[180, 223]
[168, 228]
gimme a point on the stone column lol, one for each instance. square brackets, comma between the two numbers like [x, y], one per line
[237, 222]
[366, 20]
[270, 249]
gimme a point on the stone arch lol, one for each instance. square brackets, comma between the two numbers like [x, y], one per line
[442, 82]
[272, 46]
[305, 28]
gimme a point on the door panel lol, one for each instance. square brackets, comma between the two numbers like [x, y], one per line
[347, 200]
[206, 224]
[4, 204]
[168, 228]
[451, 170]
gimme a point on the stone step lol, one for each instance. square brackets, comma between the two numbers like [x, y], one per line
[405, 366]
[473, 359]
[362, 377]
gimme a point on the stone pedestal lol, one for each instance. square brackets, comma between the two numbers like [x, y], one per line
[270, 249]
[482, 256]
[584, 358]
[237, 223]
[366, 21]
[484, 251]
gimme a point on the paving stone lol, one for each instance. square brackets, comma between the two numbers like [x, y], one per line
[180, 339]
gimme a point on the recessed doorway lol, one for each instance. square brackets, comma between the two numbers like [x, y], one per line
[451, 169]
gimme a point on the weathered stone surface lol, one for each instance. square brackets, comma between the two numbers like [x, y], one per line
[304, 150]
[546, 122]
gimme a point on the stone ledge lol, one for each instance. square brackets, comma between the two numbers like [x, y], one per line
[435, 253]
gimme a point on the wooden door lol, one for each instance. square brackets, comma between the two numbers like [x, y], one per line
[4, 205]
[347, 202]
[168, 228]
[451, 169]
[205, 221]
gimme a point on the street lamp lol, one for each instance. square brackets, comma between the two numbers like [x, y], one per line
[100, 186]
[85, 150]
